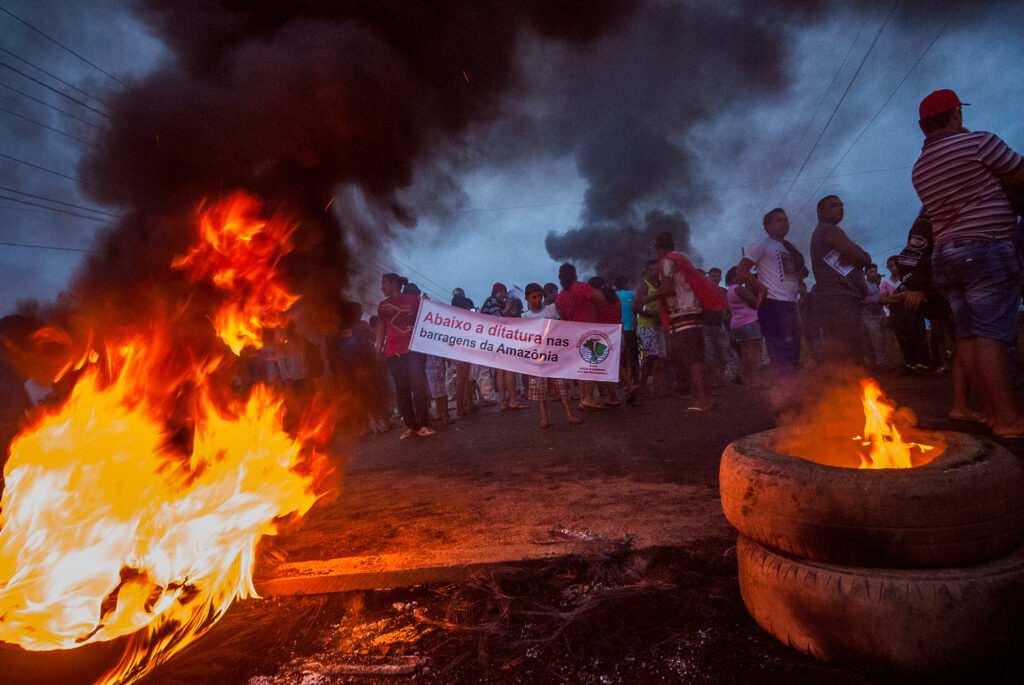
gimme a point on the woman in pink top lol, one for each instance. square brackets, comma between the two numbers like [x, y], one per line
[396, 317]
[745, 329]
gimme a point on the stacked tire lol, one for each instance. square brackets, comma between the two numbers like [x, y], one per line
[918, 571]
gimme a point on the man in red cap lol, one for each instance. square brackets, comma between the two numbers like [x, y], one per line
[960, 179]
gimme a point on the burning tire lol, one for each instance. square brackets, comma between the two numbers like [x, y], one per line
[961, 508]
[920, 621]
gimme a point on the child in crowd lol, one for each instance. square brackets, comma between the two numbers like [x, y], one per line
[436, 369]
[539, 385]
[744, 326]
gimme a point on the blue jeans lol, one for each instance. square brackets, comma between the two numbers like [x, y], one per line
[780, 325]
[982, 280]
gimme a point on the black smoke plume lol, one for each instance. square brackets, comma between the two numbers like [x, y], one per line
[629, 113]
[293, 101]
[615, 250]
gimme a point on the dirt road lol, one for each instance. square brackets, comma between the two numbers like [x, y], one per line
[651, 597]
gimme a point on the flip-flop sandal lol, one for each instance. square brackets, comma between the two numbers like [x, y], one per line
[697, 410]
[575, 419]
[592, 407]
[968, 416]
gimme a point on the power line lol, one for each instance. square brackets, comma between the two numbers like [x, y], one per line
[427, 278]
[390, 268]
[821, 101]
[699, 191]
[46, 126]
[53, 210]
[501, 209]
[61, 45]
[44, 103]
[49, 87]
[887, 101]
[56, 210]
[842, 98]
[49, 171]
[29, 210]
[59, 202]
[46, 247]
[38, 68]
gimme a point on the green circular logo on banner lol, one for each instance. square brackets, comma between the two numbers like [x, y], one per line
[594, 347]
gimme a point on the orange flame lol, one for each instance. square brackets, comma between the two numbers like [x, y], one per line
[111, 522]
[239, 252]
[888, 450]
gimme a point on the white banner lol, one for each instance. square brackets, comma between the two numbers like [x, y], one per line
[539, 347]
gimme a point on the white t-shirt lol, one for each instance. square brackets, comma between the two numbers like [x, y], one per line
[776, 269]
[546, 312]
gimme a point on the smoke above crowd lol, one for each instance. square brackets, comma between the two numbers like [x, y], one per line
[359, 116]
[299, 102]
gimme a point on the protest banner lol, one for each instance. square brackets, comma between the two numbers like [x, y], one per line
[539, 347]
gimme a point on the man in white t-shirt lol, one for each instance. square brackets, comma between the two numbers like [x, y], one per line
[780, 268]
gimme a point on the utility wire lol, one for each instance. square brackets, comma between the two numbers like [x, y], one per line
[52, 210]
[44, 103]
[702, 191]
[49, 87]
[841, 99]
[47, 247]
[61, 45]
[821, 101]
[49, 171]
[59, 202]
[424, 276]
[56, 210]
[38, 68]
[887, 101]
[392, 268]
[46, 126]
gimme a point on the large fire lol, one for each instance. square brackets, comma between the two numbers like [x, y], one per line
[135, 507]
[870, 435]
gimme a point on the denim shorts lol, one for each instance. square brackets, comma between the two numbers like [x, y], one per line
[982, 280]
[750, 331]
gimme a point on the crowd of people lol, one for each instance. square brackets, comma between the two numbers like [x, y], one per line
[951, 302]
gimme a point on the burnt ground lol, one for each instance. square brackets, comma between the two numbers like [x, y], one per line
[659, 603]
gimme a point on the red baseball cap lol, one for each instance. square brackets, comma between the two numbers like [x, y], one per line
[939, 101]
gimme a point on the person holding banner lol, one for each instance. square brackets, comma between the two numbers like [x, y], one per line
[578, 302]
[609, 311]
[540, 386]
[396, 318]
[500, 304]
[463, 392]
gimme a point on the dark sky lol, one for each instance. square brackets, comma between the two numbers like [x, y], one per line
[481, 144]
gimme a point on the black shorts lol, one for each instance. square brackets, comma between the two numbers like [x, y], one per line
[686, 346]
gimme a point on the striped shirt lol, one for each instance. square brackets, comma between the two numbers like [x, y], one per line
[957, 179]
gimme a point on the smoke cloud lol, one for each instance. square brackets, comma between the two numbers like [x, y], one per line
[615, 250]
[293, 101]
[627, 116]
